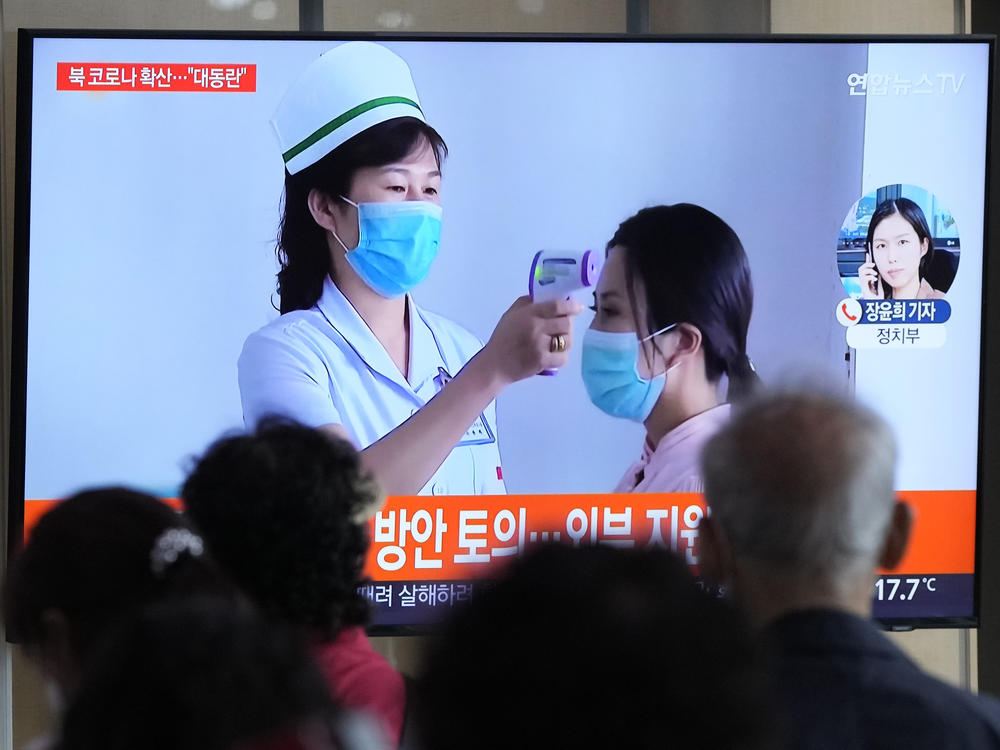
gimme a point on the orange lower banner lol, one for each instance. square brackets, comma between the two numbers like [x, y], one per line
[460, 538]
[440, 538]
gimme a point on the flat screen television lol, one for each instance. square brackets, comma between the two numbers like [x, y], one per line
[148, 190]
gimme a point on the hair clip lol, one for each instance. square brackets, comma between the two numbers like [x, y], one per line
[168, 547]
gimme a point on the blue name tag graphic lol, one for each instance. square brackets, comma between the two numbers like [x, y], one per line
[904, 311]
[479, 434]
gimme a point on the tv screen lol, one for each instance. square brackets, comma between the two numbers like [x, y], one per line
[149, 197]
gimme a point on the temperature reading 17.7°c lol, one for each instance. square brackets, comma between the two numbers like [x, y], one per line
[893, 589]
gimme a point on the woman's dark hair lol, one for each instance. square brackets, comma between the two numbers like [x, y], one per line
[279, 509]
[199, 674]
[568, 636]
[302, 248]
[91, 558]
[694, 270]
[916, 219]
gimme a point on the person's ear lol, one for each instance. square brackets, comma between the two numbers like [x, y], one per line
[924, 247]
[715, 561]
[688, 340]
[898, 536]
[326, 211]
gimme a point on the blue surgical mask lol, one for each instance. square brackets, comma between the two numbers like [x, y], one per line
[611, 374]
[397, 243]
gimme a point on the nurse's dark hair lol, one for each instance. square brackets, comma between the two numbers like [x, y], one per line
[694, 270]
[914, 217]
[280, 510]
[90, 558]
[302, 247]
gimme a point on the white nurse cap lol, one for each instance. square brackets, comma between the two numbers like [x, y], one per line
[343, 92]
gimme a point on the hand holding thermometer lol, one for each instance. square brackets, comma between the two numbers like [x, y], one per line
[557, 274]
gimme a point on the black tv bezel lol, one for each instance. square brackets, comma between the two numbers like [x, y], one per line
[22, 177]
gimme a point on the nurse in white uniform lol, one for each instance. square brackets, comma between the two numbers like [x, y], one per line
[352, 353]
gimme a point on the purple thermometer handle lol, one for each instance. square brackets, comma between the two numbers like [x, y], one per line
[531, 293]
[588, 276]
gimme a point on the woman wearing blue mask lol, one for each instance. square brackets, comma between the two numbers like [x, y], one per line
[673, 307]
[352, 353]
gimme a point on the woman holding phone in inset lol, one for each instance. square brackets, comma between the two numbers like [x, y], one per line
[673, 306]
[352, 353]
[898, 250]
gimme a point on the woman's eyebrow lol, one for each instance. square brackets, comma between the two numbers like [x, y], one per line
[608, 294]
[404, 170]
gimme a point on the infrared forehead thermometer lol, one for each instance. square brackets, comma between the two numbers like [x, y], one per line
[557, 274]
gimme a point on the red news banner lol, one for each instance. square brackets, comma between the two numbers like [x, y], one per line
[443, 538]
[176, 77]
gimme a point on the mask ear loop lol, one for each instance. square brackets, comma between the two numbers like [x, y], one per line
[649, 338]
[337, 237]
[657, 333]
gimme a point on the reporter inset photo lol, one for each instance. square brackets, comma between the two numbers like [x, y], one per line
[898, 242]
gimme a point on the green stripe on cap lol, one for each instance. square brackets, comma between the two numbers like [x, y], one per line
[349, 115]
